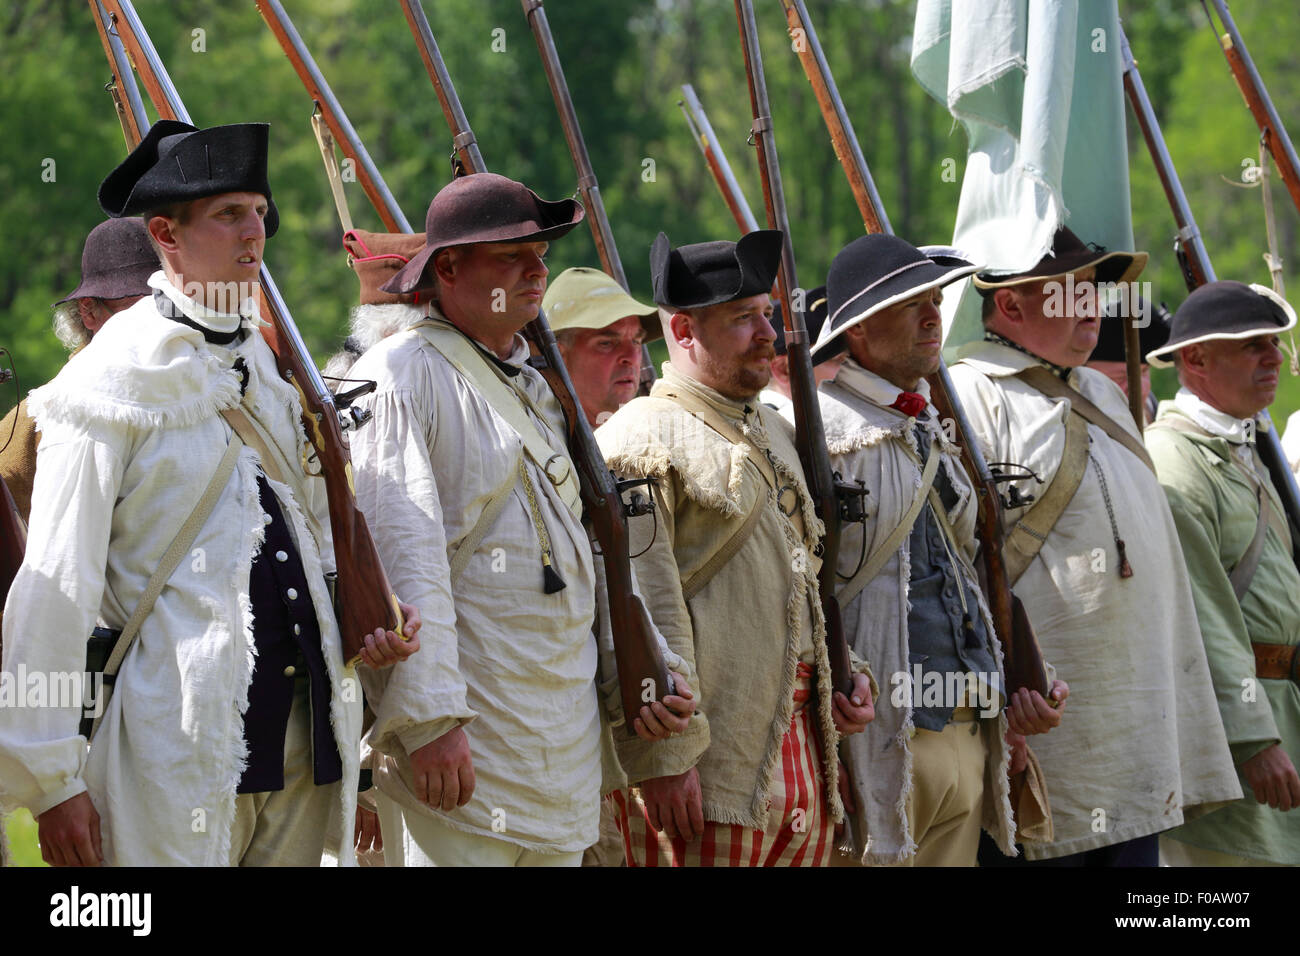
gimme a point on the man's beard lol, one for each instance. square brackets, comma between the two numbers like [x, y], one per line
[735, 380]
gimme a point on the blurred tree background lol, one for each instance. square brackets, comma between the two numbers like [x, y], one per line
[625, 61]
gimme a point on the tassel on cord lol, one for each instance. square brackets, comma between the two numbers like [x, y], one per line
[551, 580]
[1125, 569]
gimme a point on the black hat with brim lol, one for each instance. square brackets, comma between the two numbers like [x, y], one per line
[1069, 254]
[1225, 310]
[1110, 335]
[814, 317]
[483, 208]
[710, 273]
[874, 272]
[116, 262]
[177, 162]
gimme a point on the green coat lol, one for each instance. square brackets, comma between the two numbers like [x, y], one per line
[1215, 511]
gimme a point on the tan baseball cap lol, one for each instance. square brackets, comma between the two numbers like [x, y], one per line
[582, 298]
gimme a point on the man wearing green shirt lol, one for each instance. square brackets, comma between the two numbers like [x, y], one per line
[1224, 343]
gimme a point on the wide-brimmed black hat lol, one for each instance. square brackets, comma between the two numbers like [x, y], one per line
[1110, 336]
[874, 272]
[814, 317]
[1070, 254]
[710, 273]
[177, 162]
[1225, 310]
[483, 207]
[116, 262]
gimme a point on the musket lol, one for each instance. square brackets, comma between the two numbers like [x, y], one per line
[588, 188]
[364, 599]
[1272, 132]
[810, 435]
[716, 159]
[130, 112]
[337, 121]
[1197, 271]
[642, 674]
[1022, 658]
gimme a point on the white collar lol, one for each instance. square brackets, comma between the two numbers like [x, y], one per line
[1217, 423]
[201, 314]
[876, 389]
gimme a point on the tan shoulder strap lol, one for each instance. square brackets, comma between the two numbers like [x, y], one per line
[695, 583]
[274, 463]
[878, 558]
[1042, 379]
[1026, 539]
[1241, 575]
[719, 423]
[486, 519]
[171, 559]
[507, 401]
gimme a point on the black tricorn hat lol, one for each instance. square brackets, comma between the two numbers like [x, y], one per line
[1069, 254]
[116, 262]
[177, 162]
[710, 273]
[1225, 310]
[874, 272]
[814, 317]
[1110, 336]
[483, 207]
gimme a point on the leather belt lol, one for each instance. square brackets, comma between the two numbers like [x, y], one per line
[1276, 662]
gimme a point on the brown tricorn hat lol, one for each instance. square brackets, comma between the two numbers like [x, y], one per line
[375, 257]
[483, 207]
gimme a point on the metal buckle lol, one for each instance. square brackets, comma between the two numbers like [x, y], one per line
[567, 469]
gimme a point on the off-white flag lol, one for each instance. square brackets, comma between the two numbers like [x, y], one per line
[1038, 86]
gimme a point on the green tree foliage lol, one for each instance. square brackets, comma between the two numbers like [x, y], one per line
[625, 61]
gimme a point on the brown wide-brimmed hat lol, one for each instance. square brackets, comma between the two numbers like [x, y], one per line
[1070, 254]
[116, 262]
[483, 207]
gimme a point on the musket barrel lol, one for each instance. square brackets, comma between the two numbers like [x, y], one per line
[1188, 232]
[707, 140]
[599, 221]
[844, 139]
[132, 110]
[285, 32]
[809, 431]
[465, 143]
[1271, 123]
